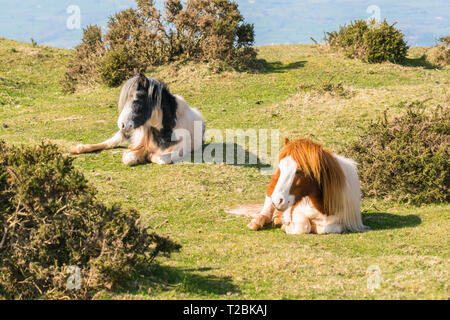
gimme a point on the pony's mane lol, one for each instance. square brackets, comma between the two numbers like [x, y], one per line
[158, 91]
[162, 103]
[321, 165]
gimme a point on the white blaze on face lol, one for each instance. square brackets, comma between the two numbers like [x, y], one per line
[281, 198]
[124, 122]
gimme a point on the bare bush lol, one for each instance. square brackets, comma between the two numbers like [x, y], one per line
[439, 55]
[200, 31]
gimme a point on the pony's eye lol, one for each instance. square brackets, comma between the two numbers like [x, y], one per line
[299, 172]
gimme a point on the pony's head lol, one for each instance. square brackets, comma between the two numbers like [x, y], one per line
[140, 103]
[306, 169]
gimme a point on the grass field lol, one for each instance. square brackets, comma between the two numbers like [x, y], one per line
[220, 258]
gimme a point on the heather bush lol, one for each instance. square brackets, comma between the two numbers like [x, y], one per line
[407, 159]
[53, 228]
[369, 41]
[199, 30]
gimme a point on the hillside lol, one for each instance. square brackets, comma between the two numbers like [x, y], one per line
[220, 257]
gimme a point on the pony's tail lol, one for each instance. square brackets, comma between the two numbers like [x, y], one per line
[350, 215]
[246, 210]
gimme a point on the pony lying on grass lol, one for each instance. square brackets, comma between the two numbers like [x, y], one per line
[161, 127]
[312, 191]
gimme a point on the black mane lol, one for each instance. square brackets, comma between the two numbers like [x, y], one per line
[168, 105]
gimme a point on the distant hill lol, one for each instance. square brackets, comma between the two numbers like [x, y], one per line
[276, 22]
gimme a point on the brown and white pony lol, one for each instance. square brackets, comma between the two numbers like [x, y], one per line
[312, 191]
[161, 127]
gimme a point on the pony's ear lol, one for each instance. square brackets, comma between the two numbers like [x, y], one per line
[286, 141]
[143, 83]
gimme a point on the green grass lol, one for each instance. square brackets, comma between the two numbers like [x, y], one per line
[220, 257]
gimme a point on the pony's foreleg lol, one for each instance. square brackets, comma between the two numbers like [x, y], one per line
[113, 142]
[135, 157]
[278, 219]
[300, 224]
[264, 217]
[174, 154]
[327, 225]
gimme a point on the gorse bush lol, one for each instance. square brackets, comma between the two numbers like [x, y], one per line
[369, 41]
[115, 66]
[407, 159]
[439, 55]
[200, 30]
[83, 69]
[50, 220]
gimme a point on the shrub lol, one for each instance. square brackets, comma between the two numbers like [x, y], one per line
[200, 30]
[50, 220]
[439, 55]
[407, 159]
[371, 42]
[117, 65]
[83, 66]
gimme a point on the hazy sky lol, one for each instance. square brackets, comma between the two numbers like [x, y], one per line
[276, 21]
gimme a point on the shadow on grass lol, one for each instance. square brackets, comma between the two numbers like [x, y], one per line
[220, 153]
[232, 154]
[385, 221]
[187, 280]
[278, 66]
[419, 62]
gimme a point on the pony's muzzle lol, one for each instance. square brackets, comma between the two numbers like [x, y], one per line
[282, 201]
[125, 127]
[278, 202]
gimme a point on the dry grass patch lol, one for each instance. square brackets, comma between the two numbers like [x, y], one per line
[439, 55]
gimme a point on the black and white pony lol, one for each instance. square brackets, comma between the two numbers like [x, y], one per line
[161, 127]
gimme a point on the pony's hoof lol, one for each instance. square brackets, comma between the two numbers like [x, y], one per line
[288, 228]
[165, 159]
[129, 159]
[277, 222]
[162, 162]
[76, 149]
[253, 226]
